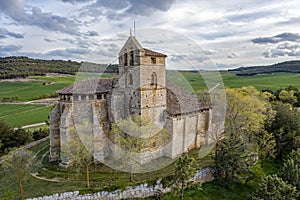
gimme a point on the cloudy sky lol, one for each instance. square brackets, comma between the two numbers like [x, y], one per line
[230, 33]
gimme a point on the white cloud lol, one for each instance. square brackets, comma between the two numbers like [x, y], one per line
[223, 29]
[15, 9]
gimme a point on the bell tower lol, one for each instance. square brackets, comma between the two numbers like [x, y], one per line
[144, 75]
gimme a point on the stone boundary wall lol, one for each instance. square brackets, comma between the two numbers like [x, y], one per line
[140, 191]
[28, 146]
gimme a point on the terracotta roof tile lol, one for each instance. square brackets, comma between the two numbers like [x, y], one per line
[89, 86]
[180, 101]
[149, 52]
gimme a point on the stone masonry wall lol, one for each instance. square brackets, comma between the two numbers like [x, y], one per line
[140, 191]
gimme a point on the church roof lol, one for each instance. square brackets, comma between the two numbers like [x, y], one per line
[179, 101]
[89, 86]
[149, 52]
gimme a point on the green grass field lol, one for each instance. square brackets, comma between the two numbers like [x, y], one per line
[56, 79]
[27, 91]
[270, 81]
[101, 176]
[20, 115]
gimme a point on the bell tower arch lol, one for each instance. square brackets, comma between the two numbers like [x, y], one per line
[145, 80]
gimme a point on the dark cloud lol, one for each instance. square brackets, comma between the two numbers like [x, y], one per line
[113, 4]
[111, 45]
[79, 43]
[116, 9]
[277, 38]
[75, 1]
[143, 7]
[283, 49]
[5, 33]
[67, 53]
[71, 41]
[49, 40]
[209, 52]
[92, 33]
[15, 10]
[192, 58]
[232, 55]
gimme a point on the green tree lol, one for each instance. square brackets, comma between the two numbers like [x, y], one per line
[291, 172]
[274, 188]
[18, 163]
[184, 171]
[287, 96]
[11, 138]
[266, 145]
[247, 111]
[291, 169]
[285, 128]
[232, 161]
[40, 133]
[79, 154]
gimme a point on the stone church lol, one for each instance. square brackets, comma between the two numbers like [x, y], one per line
[141, 89]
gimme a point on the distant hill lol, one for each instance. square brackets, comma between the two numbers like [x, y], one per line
[288, 66]
[21, 67]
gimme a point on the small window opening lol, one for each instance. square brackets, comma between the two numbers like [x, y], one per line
[131, 58]
[129, 79]
[153, 79]
[125, 59]
[153, 60]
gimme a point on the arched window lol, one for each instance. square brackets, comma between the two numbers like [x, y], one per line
[153, 79]
[131, 57]
[129, 79]
[153, 60]
[125, 57]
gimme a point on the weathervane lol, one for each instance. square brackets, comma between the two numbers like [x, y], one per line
[133, 29]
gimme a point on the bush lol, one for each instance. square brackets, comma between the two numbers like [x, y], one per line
[273, 187]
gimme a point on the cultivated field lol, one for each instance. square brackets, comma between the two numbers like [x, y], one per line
[18, 115]
[27, 91]
[269, 81]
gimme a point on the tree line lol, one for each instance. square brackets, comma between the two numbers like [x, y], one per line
[22, 67]
[11, 138]
[288, 66]
[261, 126]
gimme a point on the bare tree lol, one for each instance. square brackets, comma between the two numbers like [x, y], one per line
[18, 163]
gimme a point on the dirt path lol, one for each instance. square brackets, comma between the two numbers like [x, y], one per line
[48, 101]
[13, 80]
[32, 125]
